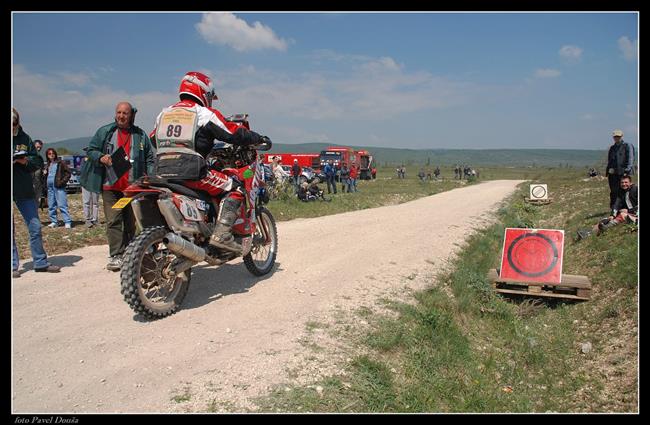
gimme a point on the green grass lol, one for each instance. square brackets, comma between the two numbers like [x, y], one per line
[478, 352]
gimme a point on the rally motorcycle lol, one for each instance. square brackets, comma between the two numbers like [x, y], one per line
[176, 222]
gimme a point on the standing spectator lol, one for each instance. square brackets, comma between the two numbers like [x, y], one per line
[345, 176]
[436, 172]
[25, 161]
[296, 171]
[620, 161]
[421, 174]
[120, 226]
[40, 190]
[278, 172]
[352, 180]
[330, 174]
[280, 176]
[57, 174]
[90, 204]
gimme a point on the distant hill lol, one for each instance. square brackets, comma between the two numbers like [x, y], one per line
[396, 156]
[75, 146]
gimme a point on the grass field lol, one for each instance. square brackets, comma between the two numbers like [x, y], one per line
[461, 348]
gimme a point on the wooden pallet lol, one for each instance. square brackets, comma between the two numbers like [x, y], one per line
[538, 201]
[571, 287]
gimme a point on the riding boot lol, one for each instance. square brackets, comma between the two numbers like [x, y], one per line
[606, 225]
[222, 235]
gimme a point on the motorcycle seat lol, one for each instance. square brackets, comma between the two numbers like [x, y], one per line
[178, 187]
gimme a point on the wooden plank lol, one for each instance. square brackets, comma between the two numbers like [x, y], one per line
[575, 281]
[542, 294]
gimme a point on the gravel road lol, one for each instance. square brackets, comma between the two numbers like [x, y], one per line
[78, 347]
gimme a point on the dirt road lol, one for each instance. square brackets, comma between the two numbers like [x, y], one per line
[78, 347]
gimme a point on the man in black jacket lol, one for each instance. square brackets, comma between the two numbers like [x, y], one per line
[626, 206]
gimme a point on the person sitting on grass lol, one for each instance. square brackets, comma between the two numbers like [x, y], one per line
[304, 194]
[626, 208]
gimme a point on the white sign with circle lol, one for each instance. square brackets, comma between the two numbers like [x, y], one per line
[538, 191]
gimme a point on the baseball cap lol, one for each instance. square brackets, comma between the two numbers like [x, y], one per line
[618, 133]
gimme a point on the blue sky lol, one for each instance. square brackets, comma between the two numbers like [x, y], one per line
[412, 80]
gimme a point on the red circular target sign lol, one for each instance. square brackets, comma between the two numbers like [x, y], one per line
[532, 255]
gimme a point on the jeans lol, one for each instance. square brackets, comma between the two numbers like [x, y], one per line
[91, 205]
[28, 210]
[57, 198]
[614, 181]
[350, 184]
[330, 181]
[296, 183]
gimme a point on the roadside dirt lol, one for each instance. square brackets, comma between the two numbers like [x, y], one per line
[78, 347]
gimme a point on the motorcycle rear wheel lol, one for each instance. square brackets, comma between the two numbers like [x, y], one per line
[145, 286]
[261, 259]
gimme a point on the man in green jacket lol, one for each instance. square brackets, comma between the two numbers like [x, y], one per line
[26, 161]
[96, 177]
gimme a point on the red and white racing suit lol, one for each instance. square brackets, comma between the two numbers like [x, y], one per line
[215, 182]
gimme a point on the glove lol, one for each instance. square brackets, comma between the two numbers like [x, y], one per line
[265, 140]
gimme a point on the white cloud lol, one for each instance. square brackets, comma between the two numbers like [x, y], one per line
[74, 78]
[377, 89]
[587, 117]
[382, 64]
[52, 112]
[571, 53]
[229, 30]
[286, 106]
[630, 49]
[547, 73]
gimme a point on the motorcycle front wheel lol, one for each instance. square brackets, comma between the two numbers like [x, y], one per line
[261, 259]
[147, 286]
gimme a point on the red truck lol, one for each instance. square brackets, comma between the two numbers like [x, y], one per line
[367, 168]
[339, 155]
[311, 160]
[346, 155]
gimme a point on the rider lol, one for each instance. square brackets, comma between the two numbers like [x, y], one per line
[196, 93]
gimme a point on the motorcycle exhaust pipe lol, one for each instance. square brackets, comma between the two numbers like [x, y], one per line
[184, 248]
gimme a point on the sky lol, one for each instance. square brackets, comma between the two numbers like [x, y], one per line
[404, 80]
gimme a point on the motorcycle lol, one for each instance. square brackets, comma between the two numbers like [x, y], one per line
[176, 223]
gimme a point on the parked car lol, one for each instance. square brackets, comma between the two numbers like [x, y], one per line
[73, 185]
[308, 174]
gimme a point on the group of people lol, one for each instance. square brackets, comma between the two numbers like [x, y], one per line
[422, 175]
[464, 171]
[623, 193]
[196, 93]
